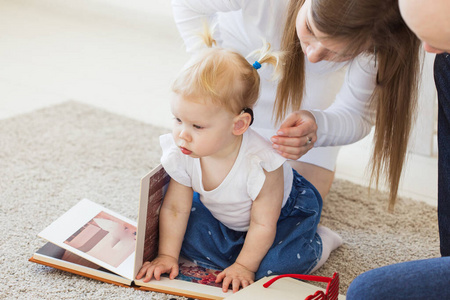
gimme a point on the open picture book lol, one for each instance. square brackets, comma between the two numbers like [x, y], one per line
[95, 242]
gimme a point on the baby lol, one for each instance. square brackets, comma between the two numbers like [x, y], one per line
[233, 203]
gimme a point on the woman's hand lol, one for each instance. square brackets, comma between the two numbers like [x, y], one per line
[297, 135]
[237, 275]
[161, 264]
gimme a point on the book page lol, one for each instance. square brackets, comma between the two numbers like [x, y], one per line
[184, 288]
[192, 280]
[97, 234]
[191, 272]
[58, 257]
[153, 188]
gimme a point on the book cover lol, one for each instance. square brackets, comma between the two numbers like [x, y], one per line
[287, 288]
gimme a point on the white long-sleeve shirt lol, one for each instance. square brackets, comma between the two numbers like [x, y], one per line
[338, 94]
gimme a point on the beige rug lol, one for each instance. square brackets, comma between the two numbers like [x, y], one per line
[51, 158]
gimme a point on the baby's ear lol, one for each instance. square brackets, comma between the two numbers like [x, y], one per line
[241, 123]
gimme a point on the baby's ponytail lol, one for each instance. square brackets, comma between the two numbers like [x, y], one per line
[263, 55]
[225, 76]
[274, 58]
[207, 35]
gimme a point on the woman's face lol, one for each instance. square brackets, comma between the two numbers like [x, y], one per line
[315, 44]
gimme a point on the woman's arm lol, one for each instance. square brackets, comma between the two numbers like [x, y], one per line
[265, 212]
[173, 219]
[351, 116]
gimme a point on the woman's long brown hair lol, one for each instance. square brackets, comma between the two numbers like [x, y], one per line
[291, 86]
[361, 23]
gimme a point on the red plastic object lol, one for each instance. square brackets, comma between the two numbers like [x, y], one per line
[331, 293]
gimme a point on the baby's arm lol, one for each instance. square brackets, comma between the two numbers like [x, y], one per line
[173, 220]
[263, 224]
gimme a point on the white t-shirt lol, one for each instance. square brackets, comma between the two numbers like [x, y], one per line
[337, 94]
[231, 201]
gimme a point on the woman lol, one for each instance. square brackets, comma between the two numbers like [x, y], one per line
[326, 99]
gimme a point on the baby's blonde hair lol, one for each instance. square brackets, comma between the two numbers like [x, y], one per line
[224, 76]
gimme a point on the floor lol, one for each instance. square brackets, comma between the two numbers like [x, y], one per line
[122, 57]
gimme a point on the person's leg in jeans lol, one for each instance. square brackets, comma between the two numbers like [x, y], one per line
[442, 80]
[420, 279]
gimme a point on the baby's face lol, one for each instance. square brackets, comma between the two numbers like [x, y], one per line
[201, 129]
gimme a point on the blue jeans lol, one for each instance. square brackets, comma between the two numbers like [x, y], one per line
[420, 279]
[442, 80]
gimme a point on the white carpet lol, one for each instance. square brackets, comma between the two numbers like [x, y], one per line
[51, 158]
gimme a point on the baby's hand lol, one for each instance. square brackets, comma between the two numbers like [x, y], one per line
[237, 275]
[161, 264]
